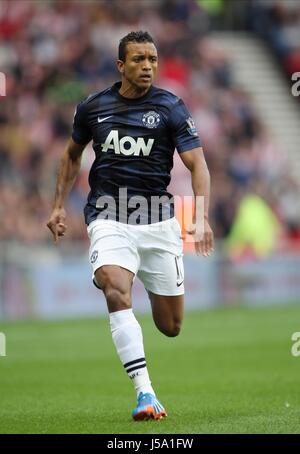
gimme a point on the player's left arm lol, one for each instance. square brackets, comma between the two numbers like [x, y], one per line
[194, 161]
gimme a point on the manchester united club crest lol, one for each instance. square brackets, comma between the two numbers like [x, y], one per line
[151, 119]
[94, 256]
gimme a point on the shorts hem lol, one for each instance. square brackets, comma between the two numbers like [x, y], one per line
[115, 263]
[164, 292]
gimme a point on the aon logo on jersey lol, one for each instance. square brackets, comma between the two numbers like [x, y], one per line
[127, 145]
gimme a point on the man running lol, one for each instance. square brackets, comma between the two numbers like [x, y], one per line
[135, 128]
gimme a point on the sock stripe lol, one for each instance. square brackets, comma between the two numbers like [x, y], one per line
[130, 363]
[135, 368]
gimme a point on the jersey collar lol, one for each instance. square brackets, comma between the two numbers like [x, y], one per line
[116, 87]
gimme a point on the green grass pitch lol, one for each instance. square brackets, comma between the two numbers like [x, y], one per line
[229, 371]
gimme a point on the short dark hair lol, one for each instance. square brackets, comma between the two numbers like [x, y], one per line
[136, 37]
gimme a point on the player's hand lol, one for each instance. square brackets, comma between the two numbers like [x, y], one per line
[203, 238]
[57, 223]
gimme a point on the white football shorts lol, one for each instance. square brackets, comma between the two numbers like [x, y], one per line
[152, 252]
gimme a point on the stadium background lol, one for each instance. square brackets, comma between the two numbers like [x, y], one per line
[232, 62]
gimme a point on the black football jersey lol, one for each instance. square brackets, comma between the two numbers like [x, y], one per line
[134, 142]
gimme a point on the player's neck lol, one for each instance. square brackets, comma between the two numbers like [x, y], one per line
[130, 91]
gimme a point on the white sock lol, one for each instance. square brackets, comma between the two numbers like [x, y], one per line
[128, 339]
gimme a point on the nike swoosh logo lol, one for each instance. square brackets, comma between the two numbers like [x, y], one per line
[178, 285]
[103, 119]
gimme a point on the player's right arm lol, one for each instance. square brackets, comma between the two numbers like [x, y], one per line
[68, 171]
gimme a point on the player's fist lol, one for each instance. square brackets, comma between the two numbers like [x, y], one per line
[203, 238]
[57, 223]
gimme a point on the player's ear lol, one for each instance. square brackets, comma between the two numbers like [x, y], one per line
[120, 66]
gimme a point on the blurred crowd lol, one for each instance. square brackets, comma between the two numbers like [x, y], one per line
[278, 21]
[54, 53]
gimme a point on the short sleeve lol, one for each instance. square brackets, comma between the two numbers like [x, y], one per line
[183, 128]
[81, 132]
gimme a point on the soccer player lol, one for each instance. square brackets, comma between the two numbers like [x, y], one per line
[135, 128]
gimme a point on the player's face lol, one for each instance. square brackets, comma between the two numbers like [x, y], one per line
[140, 65]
